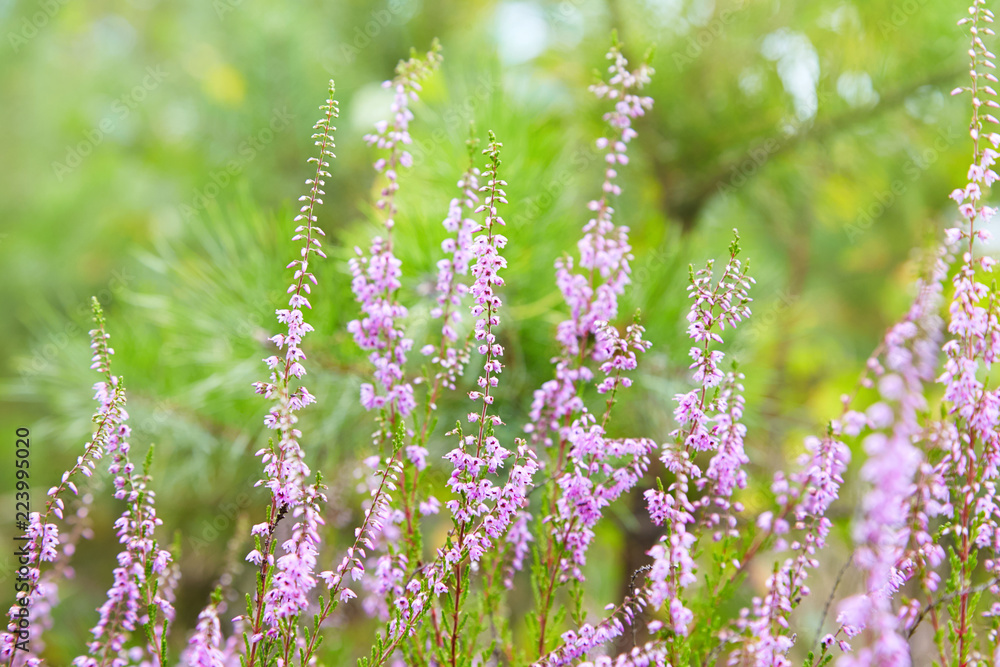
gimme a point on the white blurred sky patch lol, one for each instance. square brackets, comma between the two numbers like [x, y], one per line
[113, 36]
[668, 15]
[798, 68]
[856, 89]
[522, 33]
[678, 16]
[700, 12]
[842, 19]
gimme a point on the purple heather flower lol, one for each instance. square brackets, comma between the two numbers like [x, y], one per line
[598, 471]
[672, 571]
[592, 294]
[725, 470]
[556, 401]
[285, 471]
[450, 287]
[811, 492]
[131, 595]
[651, 654]
[590, 469]
[294, 576]
[205, 645]
[894, 538]
[887, 547]
[518, 538]
[477, 496]
[377, 516]
[578, 643]
[376, 276]
[707, 421]
[43, 545]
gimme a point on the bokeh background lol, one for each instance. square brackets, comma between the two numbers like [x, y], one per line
[153, 153]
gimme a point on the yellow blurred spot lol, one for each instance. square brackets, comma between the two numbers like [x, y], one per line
[840, 201]
[224, 84]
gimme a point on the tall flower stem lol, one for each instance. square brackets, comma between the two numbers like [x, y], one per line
[964, 391]
[283, 586]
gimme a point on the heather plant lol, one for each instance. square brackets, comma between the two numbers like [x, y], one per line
[456, 516]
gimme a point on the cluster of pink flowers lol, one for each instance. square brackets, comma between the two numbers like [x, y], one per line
[488, 510]
[953, 478]
[483, 511]
[650, 654]
[805, 497]
[376, 281]
[205, 647]
[144, 578]
[376, 516]
[285, 583]
[376, 276]
[44, 543]
[672, 571]
[605, 252]
[591, 470]
[577, 644]
[706, 423]
[598, 470]
[972, 467]
[138, 580]
[892, 538]
[450, 288]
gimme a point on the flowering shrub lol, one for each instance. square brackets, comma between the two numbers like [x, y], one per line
[522, 501]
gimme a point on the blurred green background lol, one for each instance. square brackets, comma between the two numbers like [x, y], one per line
[153, 153]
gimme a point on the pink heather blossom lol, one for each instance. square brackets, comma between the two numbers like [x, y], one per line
[450, 286]
[143, 567]
[909, 486]
[468, 481]
[591, 469]
[386, 581]
[131, 594]
[285, 470]
[376, 280]
[706, 421]
[378, 514]
[725, 470]
[578, 643]
[592, 294]
[518, 538]
[43, 536]
[598, 471]
[376, 275]
[386, 563]
[887, 548]
[556, 401]
[672, 571]
[393, 135]
[808, 494]
[484, 510]
[32, 606]
[895, 540]
[286, 473]
[651, 654]
[205, 645]
[709, 420]
[294, 576]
